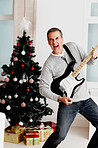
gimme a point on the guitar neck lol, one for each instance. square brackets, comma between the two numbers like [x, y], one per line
[77, 70]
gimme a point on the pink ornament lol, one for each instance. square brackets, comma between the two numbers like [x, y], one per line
[2, 73]
[15, 59]
[3, 101]
[31, 81]
[7, 79]
[23, 104]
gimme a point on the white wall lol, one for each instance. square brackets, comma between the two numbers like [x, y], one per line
[68, 15]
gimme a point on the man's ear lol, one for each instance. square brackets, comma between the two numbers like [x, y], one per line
[48, 42]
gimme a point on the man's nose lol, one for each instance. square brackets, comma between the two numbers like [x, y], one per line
[54, 41]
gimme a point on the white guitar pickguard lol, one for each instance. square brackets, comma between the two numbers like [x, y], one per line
[68, 84]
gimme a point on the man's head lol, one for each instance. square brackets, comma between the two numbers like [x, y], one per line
[55, 40]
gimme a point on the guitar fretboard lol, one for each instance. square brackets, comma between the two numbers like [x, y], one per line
[76, 72]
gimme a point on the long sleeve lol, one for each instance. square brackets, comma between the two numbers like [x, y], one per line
[45, 82]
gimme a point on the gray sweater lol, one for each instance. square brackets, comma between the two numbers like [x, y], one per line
[55, 66]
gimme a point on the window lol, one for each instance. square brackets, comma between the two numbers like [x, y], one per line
[6, 31]
[92, 35]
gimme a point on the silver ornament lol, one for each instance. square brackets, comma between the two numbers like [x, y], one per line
[36, 99]
[21, 81]
[15, 96]
[23, 52]
[9, 97]
[21, 123]
[8, 107]
[15, 79]
[31, 120]
[31, 99]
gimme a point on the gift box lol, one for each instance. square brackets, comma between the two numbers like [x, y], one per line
[51, 124]
[13, 138]
[30, 140]
[18, 129]
[14, 134]
[43, 133]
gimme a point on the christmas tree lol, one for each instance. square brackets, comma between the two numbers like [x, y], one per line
[20, 99]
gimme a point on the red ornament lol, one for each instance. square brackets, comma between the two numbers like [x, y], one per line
[28, 89]
[5, 84]
[22, 65]
[32, 68]
[30, 43]
[16, 124]
[12, 72]
[14, 51]
[18, 44]
[30, 53]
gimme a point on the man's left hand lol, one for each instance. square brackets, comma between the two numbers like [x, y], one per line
[94, 52]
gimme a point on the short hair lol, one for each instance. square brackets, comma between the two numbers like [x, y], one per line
[53, 30]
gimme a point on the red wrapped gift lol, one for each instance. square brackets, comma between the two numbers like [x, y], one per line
[51, 124]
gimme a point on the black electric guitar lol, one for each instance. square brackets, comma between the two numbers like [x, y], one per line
[67, 83]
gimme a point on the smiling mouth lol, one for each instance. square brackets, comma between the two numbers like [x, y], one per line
[55, 46]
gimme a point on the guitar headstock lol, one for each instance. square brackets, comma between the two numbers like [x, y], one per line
[96, 47]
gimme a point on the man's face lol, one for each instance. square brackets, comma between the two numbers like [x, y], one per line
[55, 41]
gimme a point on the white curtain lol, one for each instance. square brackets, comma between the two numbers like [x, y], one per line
[27, 9]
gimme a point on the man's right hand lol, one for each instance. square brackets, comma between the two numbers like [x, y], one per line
[66, 100]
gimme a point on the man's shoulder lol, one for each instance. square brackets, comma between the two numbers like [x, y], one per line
[49, 60]
[71, 44]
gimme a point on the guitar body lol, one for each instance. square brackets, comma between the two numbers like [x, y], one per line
[66, 84]
[69, 84]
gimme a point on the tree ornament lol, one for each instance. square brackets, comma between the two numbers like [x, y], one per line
[22, 65]
[32, 68]
[30, 43]
[36, 99]
[18, 44]
[12, 72]
[16, 95]
[14, 52]
[3, 73]
[31, 120]
[9, 119]
[8, 107]
[28, 89]
[31, 81]
[25, 24]
[15, 59]
[23, 104]
[5, 96]
[6, 79]
[21, 81]
[31, 99]
[21, 123]
[12, 64]
[23, 52]
[5, 84]
[9, 97]
[2, 101]
[15, 79]
[30, 53]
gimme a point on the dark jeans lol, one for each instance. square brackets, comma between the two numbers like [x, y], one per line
[66, 115]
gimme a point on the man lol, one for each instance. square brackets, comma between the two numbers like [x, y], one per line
[63, 60]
